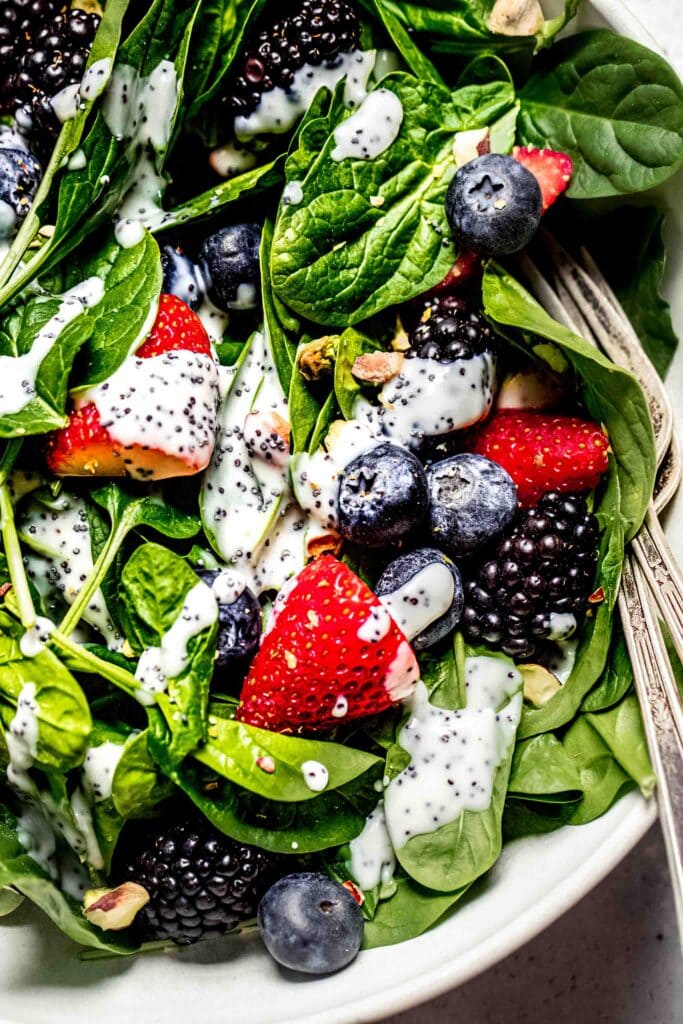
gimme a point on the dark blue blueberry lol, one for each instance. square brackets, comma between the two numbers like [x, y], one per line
[239, 627]
[397, 577]
[20, 175]
[471, 500]
[382, 496]
[310, 923]
[181, 277]
[494, 205]
[230, 264]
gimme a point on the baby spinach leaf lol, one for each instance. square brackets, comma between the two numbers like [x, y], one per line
[64, 722]
[127, 511]
[616, 680]
[543, 771]
[329, 412]
[610, 394]
[18, 331]
[460, 851]
[527, 818]
[295, 828]
[154, 585]
[603, 780]
[273, 765]
[132, 279]
[621, 729]
[417, 62]
[21, 872]
[370, 233]
[249, 184]
[613, 105]
[216, 37]
[410, 912]
[138, 786]
[276, 332]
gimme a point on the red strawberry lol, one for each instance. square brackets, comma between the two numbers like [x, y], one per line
[162, 418]
[544, 452]
[552, 170]
[176, 327]
[463, 270]
[332, 653]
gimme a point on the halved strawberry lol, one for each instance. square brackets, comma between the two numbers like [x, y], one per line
[175, 327]
[544, 452]
[467, 265]
[155, 416]
[331, 653]
[551, 169]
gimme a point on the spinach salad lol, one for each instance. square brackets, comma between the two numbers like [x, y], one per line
[312, 518]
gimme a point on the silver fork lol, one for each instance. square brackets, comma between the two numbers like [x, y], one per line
[654, 679]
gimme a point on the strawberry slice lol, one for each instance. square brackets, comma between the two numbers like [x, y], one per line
[175, 327]
[552, 170]
[331, 653]
[156, 415]
[543, 452]
[467, 265]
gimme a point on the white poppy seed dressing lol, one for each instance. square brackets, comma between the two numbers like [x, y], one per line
[422, 600]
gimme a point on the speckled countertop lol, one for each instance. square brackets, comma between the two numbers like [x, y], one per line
[614, 958]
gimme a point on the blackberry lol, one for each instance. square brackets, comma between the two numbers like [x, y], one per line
[313, 32]
[532, 585]
[19, 19]
[201, 884]
[51, 54]
[451, 329]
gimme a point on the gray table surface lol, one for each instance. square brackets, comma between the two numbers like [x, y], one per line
[614, 958]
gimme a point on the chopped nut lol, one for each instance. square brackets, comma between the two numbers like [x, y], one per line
[377, 201]
[89, 6]
[539, 684]
[377, 367]
[532, 388]
[597, 597]
[471, 144]
[355, 891]
[516, 17]
[291, 659]
[266, 764]
[315, 359]
[313, 619]
[127, 651]
[328, 543]
[400, 341]
[114, 909]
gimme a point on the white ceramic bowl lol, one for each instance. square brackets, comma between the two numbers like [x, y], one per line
[534, 883]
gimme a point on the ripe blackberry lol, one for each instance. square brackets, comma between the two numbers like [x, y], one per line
[534, 579]
[451, 329]
[51, 54]
[313, 32]
[201, 884]
[19, 19]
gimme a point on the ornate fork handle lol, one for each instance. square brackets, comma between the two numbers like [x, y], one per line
[653, 680]
[658, 564]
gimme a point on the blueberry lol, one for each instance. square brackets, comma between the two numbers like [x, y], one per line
[494, 205]
[310, 923]
[239, 620]
[382, 496]
[414, 595]
[20, 175]
[230, 264]
[181, 277]
[471, 500]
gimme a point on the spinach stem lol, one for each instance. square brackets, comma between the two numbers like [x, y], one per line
[91, 585]
[89, 662]
[15, 561]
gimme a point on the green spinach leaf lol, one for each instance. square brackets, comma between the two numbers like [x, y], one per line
[352, 344]
[155, 584]
[410, 912]
[273, 765]
[543, 771]
[614, 106]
